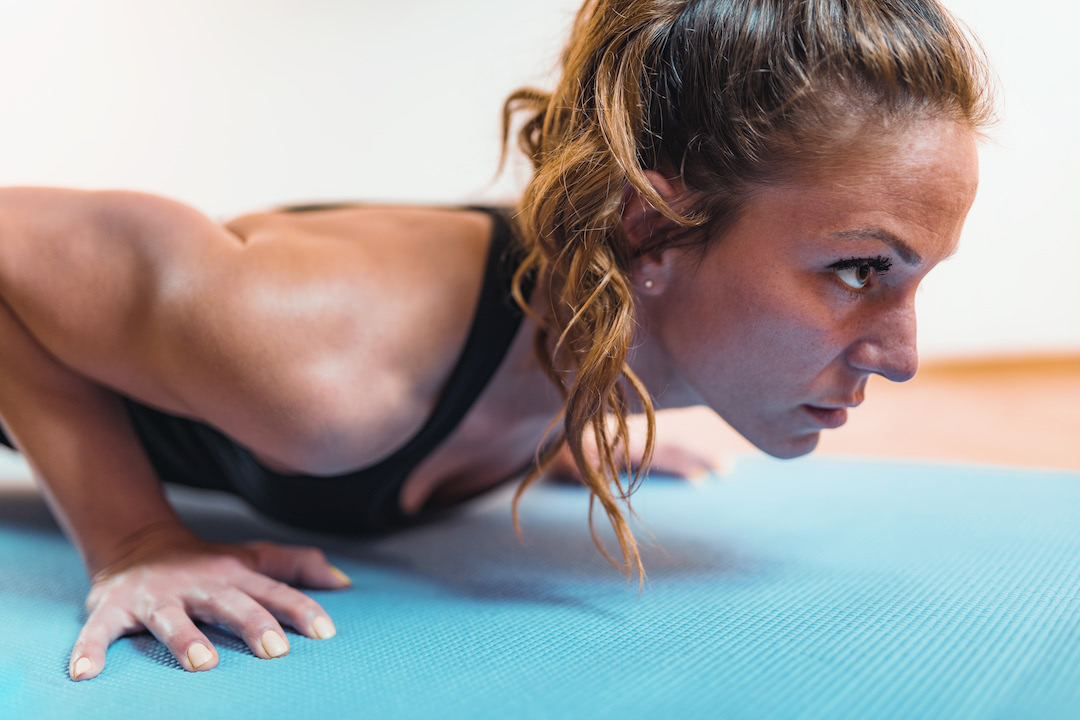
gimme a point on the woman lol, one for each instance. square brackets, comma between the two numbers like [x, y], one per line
[733, 204]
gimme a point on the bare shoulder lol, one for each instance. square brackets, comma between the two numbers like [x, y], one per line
[326, 340]
[365, 310]
[88, 273]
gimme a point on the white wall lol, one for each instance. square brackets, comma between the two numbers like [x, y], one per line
[1013, 285]
[233, 105]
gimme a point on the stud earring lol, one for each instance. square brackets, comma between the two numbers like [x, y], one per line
[648, 283]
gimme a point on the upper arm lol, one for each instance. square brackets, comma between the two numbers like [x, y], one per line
[105, 279]
[280, 341]
[84, 270]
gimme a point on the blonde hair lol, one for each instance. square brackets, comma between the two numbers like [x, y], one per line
[728, 95]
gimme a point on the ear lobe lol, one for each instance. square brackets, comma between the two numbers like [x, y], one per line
[651, 273]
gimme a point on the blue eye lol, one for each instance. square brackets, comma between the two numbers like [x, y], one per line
[856, 273]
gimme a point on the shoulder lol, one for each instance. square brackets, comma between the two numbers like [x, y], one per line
[402, 281]
[350, 322]
[307, 332]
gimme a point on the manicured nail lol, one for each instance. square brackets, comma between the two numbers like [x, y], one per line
[197, 655]
[323, 628]
[273, 644]
[340, 576]
[82, 665]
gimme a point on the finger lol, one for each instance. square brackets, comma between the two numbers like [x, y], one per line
[305, 566]
[724, 466]
[678, 462]
[246, 618]
[691, 463]
[171, 625]
[289, 605]
[105, 624]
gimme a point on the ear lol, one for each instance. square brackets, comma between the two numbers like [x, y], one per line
[641, 221]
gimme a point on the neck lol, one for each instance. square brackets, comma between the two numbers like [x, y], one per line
[653, 366]
[646, 357]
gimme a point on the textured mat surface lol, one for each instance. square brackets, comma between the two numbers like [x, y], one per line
[809, 589]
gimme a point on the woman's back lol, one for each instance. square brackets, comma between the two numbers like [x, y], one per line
[319, 340]
[376, 497]
[395, 289]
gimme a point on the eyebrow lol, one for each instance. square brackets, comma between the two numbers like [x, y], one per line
[906, 253]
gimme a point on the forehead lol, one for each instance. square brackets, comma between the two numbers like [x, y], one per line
[916, 183]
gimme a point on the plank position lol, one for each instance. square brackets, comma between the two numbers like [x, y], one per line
[733, 203]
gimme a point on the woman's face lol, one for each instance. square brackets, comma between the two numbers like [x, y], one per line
[812, 290]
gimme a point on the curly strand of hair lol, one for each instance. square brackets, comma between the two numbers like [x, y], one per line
[568, 216]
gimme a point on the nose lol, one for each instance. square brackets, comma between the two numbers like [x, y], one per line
[888, 347]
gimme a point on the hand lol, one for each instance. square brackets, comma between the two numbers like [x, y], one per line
[690, 443]
[677, 457]
[173, 577]
[690, 457]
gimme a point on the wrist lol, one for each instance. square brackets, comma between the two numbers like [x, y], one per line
[128, 549]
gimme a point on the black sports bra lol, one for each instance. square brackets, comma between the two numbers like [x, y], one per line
[192, 453]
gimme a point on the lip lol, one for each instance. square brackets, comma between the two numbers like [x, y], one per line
[827, 417]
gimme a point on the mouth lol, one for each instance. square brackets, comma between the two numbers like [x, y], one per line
[827, 417]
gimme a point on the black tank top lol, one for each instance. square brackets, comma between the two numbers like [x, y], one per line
[190, 452]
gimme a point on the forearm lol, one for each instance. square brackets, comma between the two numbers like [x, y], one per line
[81, 447]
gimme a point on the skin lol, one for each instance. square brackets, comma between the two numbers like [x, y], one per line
[255, 329]
[764, 327]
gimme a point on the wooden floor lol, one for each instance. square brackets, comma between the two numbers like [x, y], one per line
[1021, 411]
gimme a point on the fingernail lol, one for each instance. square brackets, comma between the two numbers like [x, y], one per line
[323, 628]
[82, 665]
[273, 644]
[197, 655]
[340, 576]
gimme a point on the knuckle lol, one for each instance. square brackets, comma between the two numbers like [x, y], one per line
[259, 620]
[309, 610]
[226, 565]
[164, 619]
[153, 613]
[276, 587]
[298, 601]
[224, 601]
[155, 617]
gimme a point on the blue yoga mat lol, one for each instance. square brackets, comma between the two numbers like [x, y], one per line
[807, 589]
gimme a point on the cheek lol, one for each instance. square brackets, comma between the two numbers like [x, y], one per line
[781, 329]
[748, 340]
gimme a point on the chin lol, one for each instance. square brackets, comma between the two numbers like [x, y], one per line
[790, 447]
[773, 438]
